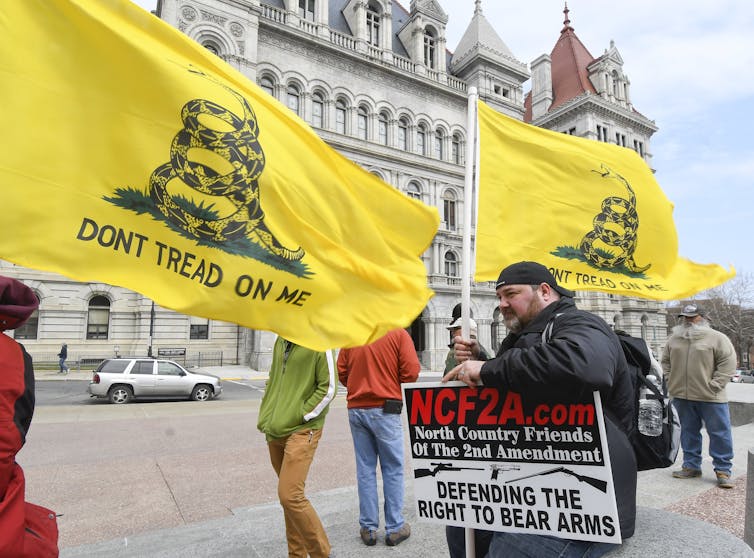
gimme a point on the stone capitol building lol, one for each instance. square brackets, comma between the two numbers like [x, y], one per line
[379, 84]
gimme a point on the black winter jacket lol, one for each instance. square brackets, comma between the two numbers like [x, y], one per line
[581, 353]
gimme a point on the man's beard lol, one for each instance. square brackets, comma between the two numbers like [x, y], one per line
[513, 324]
[689, 330]
[516, 324]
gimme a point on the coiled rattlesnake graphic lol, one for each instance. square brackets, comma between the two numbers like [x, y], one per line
[240, 148]
[618, 214]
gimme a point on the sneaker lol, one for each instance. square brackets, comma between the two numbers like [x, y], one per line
[368, 536]
[723, 480]
[394, 539]
[686, 473]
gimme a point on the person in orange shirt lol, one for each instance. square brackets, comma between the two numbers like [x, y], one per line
[373, 375]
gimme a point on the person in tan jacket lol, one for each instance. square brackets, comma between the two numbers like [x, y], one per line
[698, 363]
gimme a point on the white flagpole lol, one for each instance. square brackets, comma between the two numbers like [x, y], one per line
[468, 199]
[472, 150]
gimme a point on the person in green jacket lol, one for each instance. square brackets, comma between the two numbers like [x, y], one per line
[301, 387]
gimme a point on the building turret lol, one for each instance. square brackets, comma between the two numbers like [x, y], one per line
[483, 60]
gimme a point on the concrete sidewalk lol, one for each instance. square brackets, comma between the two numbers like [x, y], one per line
[258, 531]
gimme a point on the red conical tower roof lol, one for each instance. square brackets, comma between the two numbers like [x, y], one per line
[570, 60]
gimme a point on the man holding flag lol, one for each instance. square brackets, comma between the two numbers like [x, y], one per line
[580, 353]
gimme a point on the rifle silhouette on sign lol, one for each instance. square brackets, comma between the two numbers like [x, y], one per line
[419, 473]
[596, 483]
[496, 469]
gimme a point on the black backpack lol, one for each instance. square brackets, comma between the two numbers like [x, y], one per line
[652, 452]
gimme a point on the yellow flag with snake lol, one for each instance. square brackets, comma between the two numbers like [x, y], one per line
[591, 212]
[135, 157]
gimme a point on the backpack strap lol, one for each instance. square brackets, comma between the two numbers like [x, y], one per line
[547, 331]
[607, 413]
[652, 387]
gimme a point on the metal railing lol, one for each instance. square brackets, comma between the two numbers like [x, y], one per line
[50, 361]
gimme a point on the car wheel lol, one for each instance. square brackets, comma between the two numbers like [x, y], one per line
[120, 394]
[201, 392]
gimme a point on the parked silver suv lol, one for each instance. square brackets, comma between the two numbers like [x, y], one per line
[123, 379]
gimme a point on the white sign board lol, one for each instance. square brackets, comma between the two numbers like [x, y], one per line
[489, 459]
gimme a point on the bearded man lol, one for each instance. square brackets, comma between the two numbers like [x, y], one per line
[579, 352]
[698, 363]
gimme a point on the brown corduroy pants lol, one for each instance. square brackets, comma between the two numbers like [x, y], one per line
[291, 457]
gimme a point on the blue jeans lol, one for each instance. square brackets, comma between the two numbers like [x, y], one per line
[716, 419]
[489, 544]
[378, 435]
[63, 366]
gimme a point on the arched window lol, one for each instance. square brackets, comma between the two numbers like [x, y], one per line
[616, 322]
[340, 116]
[645, 328]
[98, 318]
[267, 85]
[616, 85]
[30, 328]
[363, 123]
[402, 134]
[421, 139]
[430, 44]
[439, 152]
[306, 9]
[318, 110]
[198, 328]
[383, 124]
[373, 24]
[413, 190]
[294, 99]
[449, 209]
[451, 264]
[455, 149]
[418, 332]
[212, 46]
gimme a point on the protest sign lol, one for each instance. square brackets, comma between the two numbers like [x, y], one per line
[497, 460]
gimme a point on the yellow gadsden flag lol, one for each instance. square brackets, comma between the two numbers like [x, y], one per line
[591, 212]
[135, 157]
